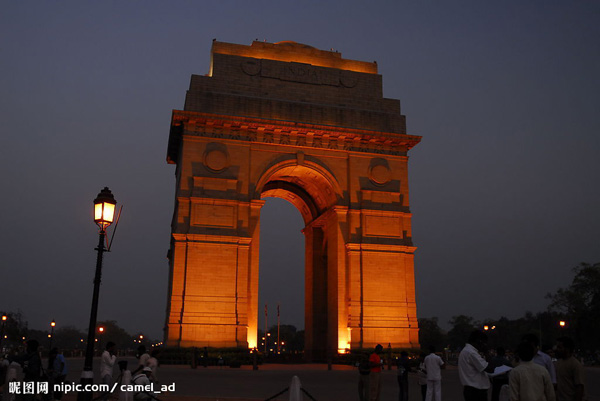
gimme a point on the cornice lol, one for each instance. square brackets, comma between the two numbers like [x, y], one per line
[288, 133]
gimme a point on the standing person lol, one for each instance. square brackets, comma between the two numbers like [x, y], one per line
[152, 363]
[364, 369]
[32, 365]
[500, 380]
[107, 362]
[403, 369]
[530, 381]
[422, 375]
[570, 377]
[57, 369]
[205, 357]
[433, 365]
[143, 356]
[375, 375]
[472, 368]
[31, 362]
[541, 358]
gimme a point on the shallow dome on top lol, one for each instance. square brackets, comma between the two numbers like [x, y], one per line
[296, 44]
[290, 51]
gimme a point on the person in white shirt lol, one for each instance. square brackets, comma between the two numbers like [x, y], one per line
[433, 365]
[152, 363]
[472, 368]
[107, 363]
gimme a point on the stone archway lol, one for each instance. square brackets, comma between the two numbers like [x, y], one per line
[314, 192]
[290, 121]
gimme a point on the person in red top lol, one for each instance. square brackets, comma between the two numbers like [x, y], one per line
[375, 379]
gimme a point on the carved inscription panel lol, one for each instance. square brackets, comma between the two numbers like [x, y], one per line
[298, 72]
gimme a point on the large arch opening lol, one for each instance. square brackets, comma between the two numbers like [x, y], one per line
[313, 191]
[281, 267]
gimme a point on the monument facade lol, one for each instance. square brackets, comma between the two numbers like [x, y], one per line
[290, 121]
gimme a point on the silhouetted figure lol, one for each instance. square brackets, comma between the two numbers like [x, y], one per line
[530, 381]
[31, 361]
[143, 357]
[433, 365]
[152, 363]
[32, 366]
[403, 369]
[472, 368]
[364, 370]
[375, 375]
[107, 363]
[541, 358]
[422, 375]
[57, 371]
[205, 357]
[499, 381]
[570, 376]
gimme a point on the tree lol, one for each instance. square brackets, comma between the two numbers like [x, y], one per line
[462, 326]
[579, 303]
[430, 333]
[112, 332]
[14, 328]
[69, 337]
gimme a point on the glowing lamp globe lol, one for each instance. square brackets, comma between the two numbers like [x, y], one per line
[104, 208]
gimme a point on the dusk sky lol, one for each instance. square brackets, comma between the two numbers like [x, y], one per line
[504, 186]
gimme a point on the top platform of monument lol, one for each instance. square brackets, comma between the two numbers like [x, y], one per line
[288, 51]
[292, 83]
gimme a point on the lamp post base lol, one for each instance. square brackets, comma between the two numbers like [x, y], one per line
[87, 378]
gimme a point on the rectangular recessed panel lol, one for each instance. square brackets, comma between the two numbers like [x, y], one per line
[213, 215]
[383, 226]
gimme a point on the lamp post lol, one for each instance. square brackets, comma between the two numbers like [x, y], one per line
[4, 319]
[52, 324]
[104, 213]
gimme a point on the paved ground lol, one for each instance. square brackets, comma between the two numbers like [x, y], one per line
[339, 384]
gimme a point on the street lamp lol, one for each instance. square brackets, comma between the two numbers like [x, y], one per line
[104, 213]
[52, 324]
[4, 319]
[562, 324]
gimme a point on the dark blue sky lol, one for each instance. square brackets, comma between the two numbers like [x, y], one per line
[504, 185]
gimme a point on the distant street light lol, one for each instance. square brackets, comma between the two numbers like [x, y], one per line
[104, 213]
[51, 335]
[4, 319]
[562, 323]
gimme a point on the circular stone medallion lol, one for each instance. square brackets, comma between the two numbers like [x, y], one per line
[216, 160]
[380, 174]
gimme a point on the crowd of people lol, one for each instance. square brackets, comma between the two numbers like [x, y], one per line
[531, 375]
[30, 367]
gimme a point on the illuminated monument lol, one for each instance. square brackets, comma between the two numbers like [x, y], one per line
[290, 121]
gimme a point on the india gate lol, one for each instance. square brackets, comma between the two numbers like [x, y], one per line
[290, 121]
